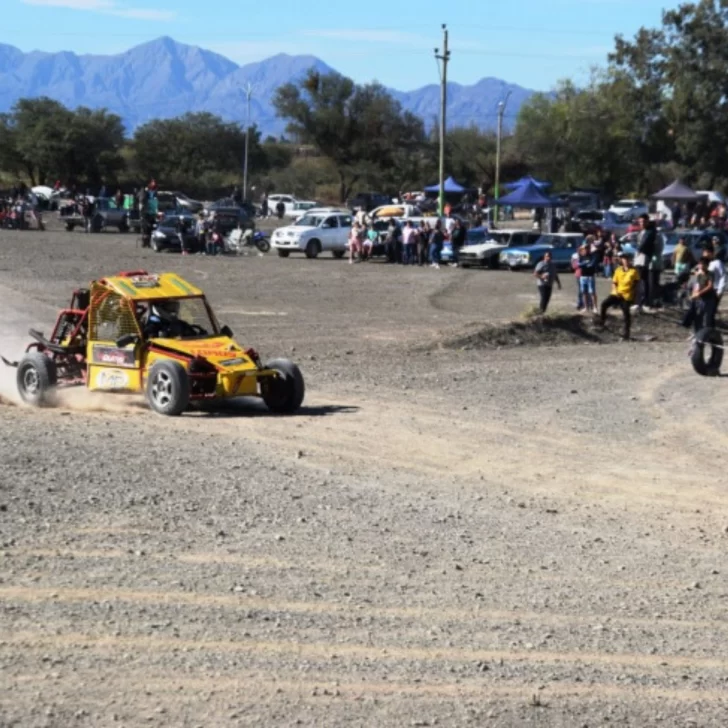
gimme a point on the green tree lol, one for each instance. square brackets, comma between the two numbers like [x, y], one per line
[193, 150]
[361, 129]
[582, 138]
[46, 141]
[681, 89]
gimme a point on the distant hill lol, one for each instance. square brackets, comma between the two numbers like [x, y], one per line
[163, 78]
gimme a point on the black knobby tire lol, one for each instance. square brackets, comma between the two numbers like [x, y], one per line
[712, 340]
[283, 253]
[263, 245]
[36, 379]
[283, 394]
[168, 388]
[313, 249]
[338, 253]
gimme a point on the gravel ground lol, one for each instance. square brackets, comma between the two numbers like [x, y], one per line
[523, 535]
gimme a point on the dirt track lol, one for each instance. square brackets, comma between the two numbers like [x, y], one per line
[499, 537]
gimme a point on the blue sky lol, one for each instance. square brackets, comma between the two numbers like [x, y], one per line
[530, 42]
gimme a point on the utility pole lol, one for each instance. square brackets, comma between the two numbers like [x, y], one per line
[501, 111]
[445, 57]
[248, 90]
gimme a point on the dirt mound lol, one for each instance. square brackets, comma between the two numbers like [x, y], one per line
[565, 329]
[6, 402]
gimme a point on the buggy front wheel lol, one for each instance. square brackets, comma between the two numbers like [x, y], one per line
[36, 379]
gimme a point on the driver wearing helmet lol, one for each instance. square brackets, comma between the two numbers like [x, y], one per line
[163, 320]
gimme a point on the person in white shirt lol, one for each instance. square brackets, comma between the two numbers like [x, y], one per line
[409, 244]
[717, 272]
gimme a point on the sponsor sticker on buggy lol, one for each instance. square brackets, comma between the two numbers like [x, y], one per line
[112, 379]
[148, 281]
[232, 362]
[112, 355]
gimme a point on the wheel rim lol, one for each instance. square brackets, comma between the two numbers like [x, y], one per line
[162, 389]
[31, 381]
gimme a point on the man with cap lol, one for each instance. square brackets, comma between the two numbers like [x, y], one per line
[624, 291]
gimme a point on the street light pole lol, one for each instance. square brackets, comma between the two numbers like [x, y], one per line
[445, 57]
[501, 111]
[248, 93]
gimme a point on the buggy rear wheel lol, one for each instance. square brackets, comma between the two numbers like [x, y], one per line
[168, 388]
[283, 394]
[36, 378]
[707, 354]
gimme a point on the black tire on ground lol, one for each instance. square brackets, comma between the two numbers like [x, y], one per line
[338, 253]
[70, 227]
[168, 388]
[283, 394]
[263, 245]
[283, 253]
[708, 341]
[36, 378]
[313, 249]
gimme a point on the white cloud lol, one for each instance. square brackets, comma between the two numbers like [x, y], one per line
[107, 7]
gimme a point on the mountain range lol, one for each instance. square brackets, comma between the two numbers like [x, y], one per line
[164, 78]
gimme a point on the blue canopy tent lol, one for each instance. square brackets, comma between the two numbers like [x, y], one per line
[450, 186]
[527, 195]
[524, 181]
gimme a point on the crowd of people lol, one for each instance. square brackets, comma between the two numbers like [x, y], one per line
[407, 243]
[20, 209]
[635, 275]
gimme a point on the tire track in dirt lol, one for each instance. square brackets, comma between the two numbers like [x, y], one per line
[336, 687]
[37, 595]
[383, 652]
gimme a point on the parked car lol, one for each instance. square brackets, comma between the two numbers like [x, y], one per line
[313, 234]
[629, 208]
[368, 201]
[288, 201]
[226, 215]
[300, 208]
[174, 201]
[171, 229]
[486, 252]
[561, 245]
[106, 215]
[697, 241]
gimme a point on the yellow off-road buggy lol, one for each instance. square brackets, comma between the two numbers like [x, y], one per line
[156, 334]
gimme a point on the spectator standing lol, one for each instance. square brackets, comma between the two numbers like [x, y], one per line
[201, 232]
[546, 275]
[655, 270]
[393, 242]
[409, 244]
[587, 269]
[717, 271]
[264, 205]
[119, 199]
[624, 291]
[354, 242]
[645, 252]
[280, 209]
[577, 276]
[457, 238]
[423, 236]
[702, 300]
[436, 240]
